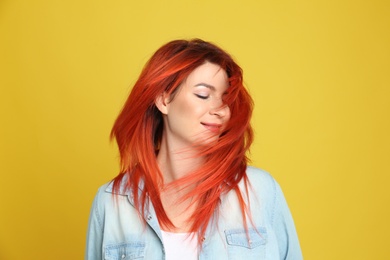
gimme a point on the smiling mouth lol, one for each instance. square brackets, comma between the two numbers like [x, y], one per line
[215, 128]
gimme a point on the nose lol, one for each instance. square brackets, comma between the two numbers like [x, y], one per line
[222, 110]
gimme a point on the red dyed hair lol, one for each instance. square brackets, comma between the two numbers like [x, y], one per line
[138, 132]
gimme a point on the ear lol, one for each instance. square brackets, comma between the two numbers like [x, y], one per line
[161, 103]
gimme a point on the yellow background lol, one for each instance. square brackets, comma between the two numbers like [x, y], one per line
[318, 71]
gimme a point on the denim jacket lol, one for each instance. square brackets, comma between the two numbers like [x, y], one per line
[116, 231]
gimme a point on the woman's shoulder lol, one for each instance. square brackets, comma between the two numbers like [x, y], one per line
[122, 189]
[103, 194]
[107, 198]
[259, 178]
[106, 191]
[263, 185]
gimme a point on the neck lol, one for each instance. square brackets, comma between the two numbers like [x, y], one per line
[176, 162]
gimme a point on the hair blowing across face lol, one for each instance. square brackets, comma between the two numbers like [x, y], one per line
[138, 132]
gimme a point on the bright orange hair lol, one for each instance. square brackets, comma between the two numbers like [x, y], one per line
[138, 132]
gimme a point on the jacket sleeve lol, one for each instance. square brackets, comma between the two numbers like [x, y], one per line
[284, 227]
[95, 230]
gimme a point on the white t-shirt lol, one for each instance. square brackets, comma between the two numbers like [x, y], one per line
[179, 246]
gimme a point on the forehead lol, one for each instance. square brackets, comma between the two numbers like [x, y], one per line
[208, 73]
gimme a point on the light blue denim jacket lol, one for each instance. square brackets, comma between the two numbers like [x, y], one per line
[116, 231]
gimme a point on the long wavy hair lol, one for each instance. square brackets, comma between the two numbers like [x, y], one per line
[138, 132]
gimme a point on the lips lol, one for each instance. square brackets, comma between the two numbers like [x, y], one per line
[215, 128]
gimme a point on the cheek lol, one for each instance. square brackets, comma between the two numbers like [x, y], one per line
[186, 109]
[228, 115]
[192, 107]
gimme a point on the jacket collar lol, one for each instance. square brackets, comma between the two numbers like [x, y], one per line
[122, 188]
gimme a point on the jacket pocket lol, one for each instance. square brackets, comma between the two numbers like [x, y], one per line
[241, 245]
[238, 237]
[124, 251]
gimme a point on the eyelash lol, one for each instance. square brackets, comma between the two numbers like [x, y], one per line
[201, 97]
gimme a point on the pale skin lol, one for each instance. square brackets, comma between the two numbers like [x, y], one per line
[196, 115]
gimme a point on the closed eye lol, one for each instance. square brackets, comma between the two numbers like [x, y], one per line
[201, 96]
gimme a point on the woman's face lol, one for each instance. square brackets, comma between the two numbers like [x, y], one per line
[197, 114]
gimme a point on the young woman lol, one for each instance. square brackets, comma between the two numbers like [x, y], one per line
[184, 190]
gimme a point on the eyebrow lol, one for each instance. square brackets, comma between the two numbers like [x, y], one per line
[206, 85]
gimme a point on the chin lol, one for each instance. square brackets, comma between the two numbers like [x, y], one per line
[207, 141]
